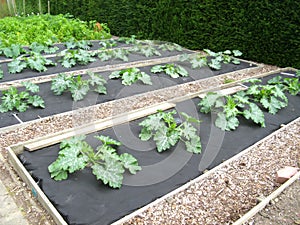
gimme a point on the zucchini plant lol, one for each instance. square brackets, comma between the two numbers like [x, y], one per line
[82, 44]
[170, 47]
[21, 100]
[167, 130]
[35, 61]
[146, 50]
[128, 40]
[131, 75]
[270, 96]
[110, 43]
[71, 58]
[107, 165]
[226, 57]
[12, 51]
[47, 48]
[117, 53]
[77, 86]
[172, 70]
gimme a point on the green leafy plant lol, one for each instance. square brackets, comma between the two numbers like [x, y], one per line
[131, 75]
[271, 97]
[170, 47]
[226, 57]
[46, 48]
[292, 85]
[12, 51]
[128, 40]
[21, 100]
[172, 70]
[24, 30]
[167, 130]
[78, 86]
[228, 108]
[35, 62]
[107, 165]
[82, 44]
[78, 56]
[110, 43]
[118, 53]
[146, 50]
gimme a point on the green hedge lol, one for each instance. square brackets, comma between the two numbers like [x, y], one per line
[265, 31]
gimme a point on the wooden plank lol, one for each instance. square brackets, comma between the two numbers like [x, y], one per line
[266, 201]
[36, 190]
[228, 91]
[95, 126]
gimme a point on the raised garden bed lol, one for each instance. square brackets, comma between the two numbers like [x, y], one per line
[234, 142]
[115, 89]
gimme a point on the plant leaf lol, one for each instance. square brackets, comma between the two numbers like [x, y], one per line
[110, 173]
[255, 113]
[130, 163]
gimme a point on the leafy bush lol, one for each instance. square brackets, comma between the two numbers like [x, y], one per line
[40, 28]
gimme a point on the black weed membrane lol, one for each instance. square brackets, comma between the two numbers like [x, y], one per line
[81, 199]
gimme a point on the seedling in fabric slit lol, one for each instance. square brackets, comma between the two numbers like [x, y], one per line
[77, 86]
[13, 99]
[131, 75]
[107, 165]
[172, 70]
[167, 130]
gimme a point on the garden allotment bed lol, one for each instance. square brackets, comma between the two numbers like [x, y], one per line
[182, 96]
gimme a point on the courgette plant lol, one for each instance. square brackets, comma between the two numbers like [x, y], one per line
[226, 57]
[170, 47]
[270, 96]
[35, 61]
[107, 165]
[82, 44]
[77, 86]
[131, 75]
[12, 51]
[47, 48]
[167, 130]
[110, 43]
[21, 100]
[71, 58]
[146, 50]
[117, 53]
[172, 70]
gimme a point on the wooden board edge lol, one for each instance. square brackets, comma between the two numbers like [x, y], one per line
[101, 124]
[199, 178]
[266, 201]
[36, 190]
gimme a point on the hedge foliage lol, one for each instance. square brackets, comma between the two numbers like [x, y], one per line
[265, 31]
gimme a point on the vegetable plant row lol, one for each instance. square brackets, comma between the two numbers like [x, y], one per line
[166, 129]
[77, 53]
